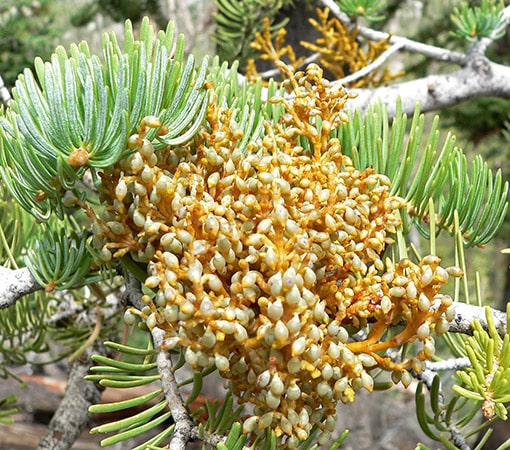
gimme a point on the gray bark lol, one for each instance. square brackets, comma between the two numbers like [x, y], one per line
[72, 415]
[479, 78]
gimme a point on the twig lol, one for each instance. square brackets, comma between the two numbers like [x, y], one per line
[185, 428]
[92, 338]
[448, 364]
[479, 78]
[465, 315]
[15, 284]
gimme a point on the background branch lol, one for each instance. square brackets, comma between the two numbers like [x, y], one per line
[430, 51]
[72, 415]
[480, 78]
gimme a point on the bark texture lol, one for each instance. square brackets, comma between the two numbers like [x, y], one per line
[72, 416]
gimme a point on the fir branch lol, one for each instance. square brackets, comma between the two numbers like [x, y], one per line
[480, 78]
[479, 47]
[466, 314]
[185, 429]
[15, 284]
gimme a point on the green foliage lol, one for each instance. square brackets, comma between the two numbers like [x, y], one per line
[237, 21]
[124, 375]
[22, 327]
[486, 20]
[368, 9]
[6, 409]
[221, 419]
[60, 259]
[76, 113]
[453, 416]
[487, 380]
[79, 113]
[16, 228]
[235, 440]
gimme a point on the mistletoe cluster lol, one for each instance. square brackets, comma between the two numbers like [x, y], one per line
[266, 224]
[261, 262]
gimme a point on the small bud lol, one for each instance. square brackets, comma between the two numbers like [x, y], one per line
[293, 391]
[423, 331]
[221, 362]
[277, 387]
[250, 424]
[298, 346]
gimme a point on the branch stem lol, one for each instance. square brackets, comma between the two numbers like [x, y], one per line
[15, 284]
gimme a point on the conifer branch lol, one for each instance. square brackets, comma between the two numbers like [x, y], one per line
[480, 78]
[466, 314]
[185, 429]
[15, 284]
[448, 364]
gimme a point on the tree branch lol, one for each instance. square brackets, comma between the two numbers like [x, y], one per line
[448, 364]
[480, 78]
[466, 314]
[185, 429]
[72, 415]
[15, 284]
